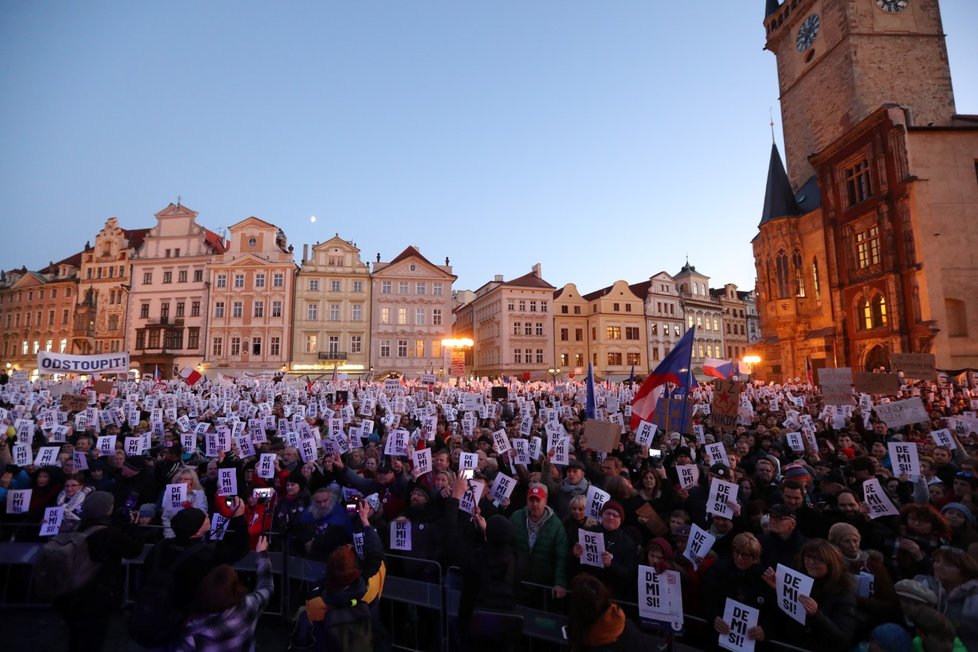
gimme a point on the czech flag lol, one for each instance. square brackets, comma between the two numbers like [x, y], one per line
[722, 369]
[190, 376]
[674, 369]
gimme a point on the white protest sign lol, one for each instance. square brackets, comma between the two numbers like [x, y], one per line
[722, 498]
[592, 548]
[18, 500]
[219, 526]
[422, 461]
[904, 459]
[741, 619]
[80, 461]
[502, 488]
[227, 482]
[51, 525]
[500, 442]
[22, 454]
[562, 452]
[596, 498]
[266, 466]
[645, 434]
[176, 495]
[660, 596]
[699, 544]
[536, 446]
[796, 442]
[716, 454]
[401, 534]
[133, 446]
[943, 438]
[188, 441]
[879, 503]
[472, 496]
[47, 456]
[308, 450]
[790, 585]
[522, 448]
[397, 442]
[700, 433]
[901, 413]
[468, 461]
[689, 475]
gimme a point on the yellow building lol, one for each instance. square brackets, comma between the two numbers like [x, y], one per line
[332, 310]
[251, 282]
[571, 338]
[617, 328]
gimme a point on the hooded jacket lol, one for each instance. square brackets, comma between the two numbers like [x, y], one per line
[960, 605]
[546, 563]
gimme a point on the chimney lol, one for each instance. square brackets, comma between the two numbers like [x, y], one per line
[305, 253]
[537, 270]
[499, 278]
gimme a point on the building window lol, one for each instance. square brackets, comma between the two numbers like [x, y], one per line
[517, 327]
[334, 261]
[198, 276]
[616, 307]
[260, 279]
[274, 346]
[655, 353]
[357, 312]
[868, 247]
[385, 288]
[419, 348]
[419, 316]
[533, 306]
[312, 343]
[879, 311]
[235, 347]
[219, 309]
[237, 309]
[195, 308]
[154, 339]
[259, 308]
[517, 356]
[538, 328]
[334, 312]
[614, 357]
[563, 310]
[511, 305]
[147, 278]
[193, 338]
[815, 282]
[358, 286]
[796, 268]
[865, 320]
[857, 183]
[167, 277]
[385, 315]
[402, 316]
[436, 317]
[312, 311]
[181, 276]
[278, 280]
[578, 334]
[144, 311]
[335, 286]
[522, 305]
[578, 359]
[217, 347]
[633, 359]
[402, 287]
[402, 348]
[314, 285]
[564, 335]
[356, 343]
[784, 283]
[239, 281]
[256, 346]
[528, 328]
[577, 310]
[180, 309]
[385, 348]
[174, 338]
[420, 288]
[222, 280]
[276, 308]
[437, 289]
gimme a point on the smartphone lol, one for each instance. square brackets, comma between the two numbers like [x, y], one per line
[655, 452]
[467, 474]
[262, 493]
[352, 505]
[228, 501]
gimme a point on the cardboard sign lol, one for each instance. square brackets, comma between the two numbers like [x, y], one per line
[919, 366]
[723, 495]
[653, 521]
[725, 406]
[601, 436]
[790, 585]
[660, 596]
[401, 535]
[74, 402]
[871, 383]
[699, 544]
[901, 413]
[592, 544]
[904, 459]
[227, 482]
[836, 384]
[879, 503]
[741, 619]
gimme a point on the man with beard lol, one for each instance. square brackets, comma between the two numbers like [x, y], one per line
[431, 530]
[324, 510]
[848, 509]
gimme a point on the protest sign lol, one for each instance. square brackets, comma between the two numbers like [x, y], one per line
[266, 466]
[47, 456]
[176, 495]
[722, 498]
[689, 475]
[601, 436]
[592, 548]
[699, 544]
[918, 366]
[502, 488]
[49, 362]
[879, 503]
[596, 498]
[22, 454]
[904, 459]
[725, 406]
[522, 448]
[219, 526]
[741, 619]
[836, 384]
[18, 500]
[716, 454]
[500, 442]
[901, 413]
[660, 596]
[401, 535]
[645, 434]
[871, 383]
[943, 437]
[73, 402]
[53, 517]
[790, 585]
[227, 482]
[468, 461]
[422, 461]
[472, 496]
[80, 461]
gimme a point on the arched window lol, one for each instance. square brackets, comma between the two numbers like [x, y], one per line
[916, 305]
[784, 283]
[815, 281]
[865, 317]
[769, 278]
[798, 277]
[879, 311]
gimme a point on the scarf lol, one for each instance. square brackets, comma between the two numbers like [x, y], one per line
[533, 527]
[607, 628]
[578, 489]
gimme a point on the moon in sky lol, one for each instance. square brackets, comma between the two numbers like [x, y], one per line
[313, 219]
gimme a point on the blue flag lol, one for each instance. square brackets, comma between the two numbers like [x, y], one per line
[589, 406]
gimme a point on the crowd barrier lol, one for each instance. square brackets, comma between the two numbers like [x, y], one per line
[419, 614]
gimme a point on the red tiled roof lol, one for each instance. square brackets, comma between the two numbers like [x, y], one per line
[529, 280]
[215, 241]
[407, 253]
[135, 237]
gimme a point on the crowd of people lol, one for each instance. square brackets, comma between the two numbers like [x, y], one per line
[503, 488]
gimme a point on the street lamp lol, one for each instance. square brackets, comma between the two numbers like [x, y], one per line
[554, 372]
[750, 361]
[457, 348]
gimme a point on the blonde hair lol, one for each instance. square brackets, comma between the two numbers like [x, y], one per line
[187, 472]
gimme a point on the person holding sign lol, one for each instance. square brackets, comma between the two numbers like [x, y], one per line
[620, 557]
[875, 593]
[72, 497]
[739, 576]
[195, 497]
[541, 542]
[831, 611]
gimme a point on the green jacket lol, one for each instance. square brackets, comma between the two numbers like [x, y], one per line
[547, 562]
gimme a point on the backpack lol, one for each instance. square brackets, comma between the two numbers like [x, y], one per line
[347, 628]
[154, 620]
[64, 565]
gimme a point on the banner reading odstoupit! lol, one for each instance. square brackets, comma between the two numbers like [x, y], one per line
[62, 363]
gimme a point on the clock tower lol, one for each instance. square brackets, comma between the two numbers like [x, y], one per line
[840, 60]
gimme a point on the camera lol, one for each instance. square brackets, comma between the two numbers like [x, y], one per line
[352, 505]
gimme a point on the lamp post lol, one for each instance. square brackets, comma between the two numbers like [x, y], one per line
[554, 372]
[750, 361]
[457, 348]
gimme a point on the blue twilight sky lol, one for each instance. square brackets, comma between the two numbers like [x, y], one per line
[604, 140]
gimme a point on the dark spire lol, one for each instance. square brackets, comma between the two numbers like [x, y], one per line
[772, 6]
[779, 199]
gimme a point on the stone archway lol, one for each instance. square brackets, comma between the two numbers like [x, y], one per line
[877, 357]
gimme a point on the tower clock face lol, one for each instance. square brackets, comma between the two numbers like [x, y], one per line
[892, 6]
[808, 31]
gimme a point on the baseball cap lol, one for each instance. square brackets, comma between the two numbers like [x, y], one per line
[537, 490]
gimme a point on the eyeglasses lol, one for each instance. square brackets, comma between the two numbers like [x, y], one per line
[744, 555]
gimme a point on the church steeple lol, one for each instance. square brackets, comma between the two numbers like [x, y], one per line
[779, 199]
[772, 6]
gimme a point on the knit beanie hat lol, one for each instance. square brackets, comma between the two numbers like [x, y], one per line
[960, 507]
[615, 506]
[98, 505]
[187, 522]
